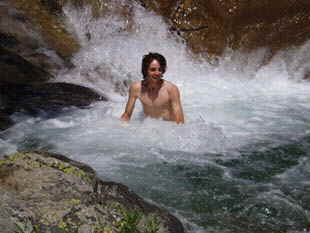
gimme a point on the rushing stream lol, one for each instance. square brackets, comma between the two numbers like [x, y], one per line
[239, 164]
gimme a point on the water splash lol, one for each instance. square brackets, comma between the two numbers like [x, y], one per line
[236, 112]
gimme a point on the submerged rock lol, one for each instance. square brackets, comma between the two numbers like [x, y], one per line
[43, 192]
[51, 98]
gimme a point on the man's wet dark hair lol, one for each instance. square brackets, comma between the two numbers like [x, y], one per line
[148, 58]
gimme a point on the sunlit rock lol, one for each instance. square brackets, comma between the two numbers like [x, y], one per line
[39, 31]
[21, 36]
[51, 26]
[163, 7]
[211, 26]
[43, 192]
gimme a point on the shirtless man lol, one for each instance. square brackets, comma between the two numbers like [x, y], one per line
[160, 98]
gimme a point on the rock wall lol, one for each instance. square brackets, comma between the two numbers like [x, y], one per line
[209, 26]
[35, 44]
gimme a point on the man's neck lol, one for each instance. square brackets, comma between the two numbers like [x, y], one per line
[152, 85]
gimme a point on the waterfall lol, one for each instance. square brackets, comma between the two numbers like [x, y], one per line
[225, 163]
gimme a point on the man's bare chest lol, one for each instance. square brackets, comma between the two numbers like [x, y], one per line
[160, 99]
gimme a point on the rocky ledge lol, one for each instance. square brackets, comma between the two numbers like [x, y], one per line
[44, 192]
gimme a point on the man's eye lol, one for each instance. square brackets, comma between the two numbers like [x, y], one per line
[159, 70]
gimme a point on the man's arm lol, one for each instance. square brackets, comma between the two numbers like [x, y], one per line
[176, 105]
[130, 103]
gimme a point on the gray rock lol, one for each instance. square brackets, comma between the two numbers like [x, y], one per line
[15, 69]
[51, 98]
[5, 121]
[43, 192]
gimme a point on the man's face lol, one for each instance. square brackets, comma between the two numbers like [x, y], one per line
[154, 71]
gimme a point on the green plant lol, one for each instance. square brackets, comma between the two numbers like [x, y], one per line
[152, 225]
[130, 221]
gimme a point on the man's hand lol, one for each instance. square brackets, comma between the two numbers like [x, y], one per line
[133, 95]
[176, 105]
[125, 117]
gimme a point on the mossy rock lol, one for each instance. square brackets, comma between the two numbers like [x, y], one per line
[46, 192]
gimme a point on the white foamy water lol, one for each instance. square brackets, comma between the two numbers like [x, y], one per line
[237, 102]
[233, 105]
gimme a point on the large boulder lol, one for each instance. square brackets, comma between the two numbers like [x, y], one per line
[50, 26]
[51, 98]
[43, 192]
[38, 30]
[209, 26]
[47, 19]
[21, 33]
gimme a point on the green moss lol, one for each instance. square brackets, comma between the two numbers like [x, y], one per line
[62, 166]
[4, 162]
[35, 164]
[115, 205]
[68, 169]
[12, 158]
[62, 225]
[131, 219]
[152, 225]
[129, 223]
[107, 229]
[16, 156]
[77, 172]
[75, 201]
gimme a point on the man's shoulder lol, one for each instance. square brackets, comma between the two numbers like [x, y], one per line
[171, 86]
[135, 85]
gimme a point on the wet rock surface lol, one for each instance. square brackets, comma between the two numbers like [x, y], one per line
[15, 69]
[5, 121]
[21, 36]
[210, 26]
[51, 98]
[44, 192]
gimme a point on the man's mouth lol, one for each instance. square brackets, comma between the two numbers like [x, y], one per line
[156, 77]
